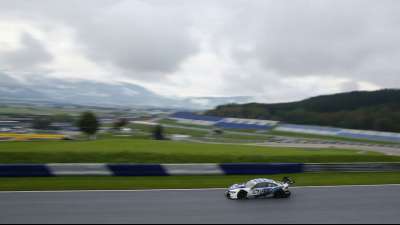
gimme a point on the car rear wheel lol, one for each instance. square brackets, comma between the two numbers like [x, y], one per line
[282, 194]
[242, 195]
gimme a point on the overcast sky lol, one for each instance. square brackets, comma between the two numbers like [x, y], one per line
[273, 50]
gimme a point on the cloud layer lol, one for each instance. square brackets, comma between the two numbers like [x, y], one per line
[31, 55]
[272, 50]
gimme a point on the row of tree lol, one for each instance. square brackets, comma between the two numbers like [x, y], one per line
[89, 124]
[45, 122]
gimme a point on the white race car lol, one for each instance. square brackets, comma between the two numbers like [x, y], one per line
[260, 188]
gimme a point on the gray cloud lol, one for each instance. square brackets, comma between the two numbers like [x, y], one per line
[352, 40]
[302, 38]
[144, 39]
[139, 37]
[30, 55]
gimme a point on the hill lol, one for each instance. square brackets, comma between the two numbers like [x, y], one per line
[84, 92]
[376, 110]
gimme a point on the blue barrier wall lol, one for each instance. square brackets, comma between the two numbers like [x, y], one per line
[21, 170]
[245, 169]
[24, 171]
[137, 170]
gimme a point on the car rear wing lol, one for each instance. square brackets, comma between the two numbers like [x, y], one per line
[288, 181]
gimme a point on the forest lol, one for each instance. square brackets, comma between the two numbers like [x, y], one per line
[376, 110]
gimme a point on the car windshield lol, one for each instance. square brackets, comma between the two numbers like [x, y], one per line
[250, 184]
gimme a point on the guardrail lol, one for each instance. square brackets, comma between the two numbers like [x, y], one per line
[48, 170]
[354, 167]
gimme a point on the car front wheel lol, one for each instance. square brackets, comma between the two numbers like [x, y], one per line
[242, 195]
[228, 196]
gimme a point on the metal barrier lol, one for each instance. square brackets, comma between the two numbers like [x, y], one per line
[46, 170]
[353, 167]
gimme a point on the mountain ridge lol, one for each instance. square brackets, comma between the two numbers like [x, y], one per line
[120, 94]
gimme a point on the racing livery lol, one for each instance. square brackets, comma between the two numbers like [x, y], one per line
[260, 188]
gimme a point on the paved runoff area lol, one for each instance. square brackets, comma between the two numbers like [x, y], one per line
[351, 204]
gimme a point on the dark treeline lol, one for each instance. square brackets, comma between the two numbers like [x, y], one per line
[377, 110]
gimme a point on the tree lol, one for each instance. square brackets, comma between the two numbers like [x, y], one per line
[158, 133]
[120, 123]
[384, 124]
[218, 132]
[89, 124]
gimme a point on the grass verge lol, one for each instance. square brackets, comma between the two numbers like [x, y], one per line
[148, 151]
[187, 182]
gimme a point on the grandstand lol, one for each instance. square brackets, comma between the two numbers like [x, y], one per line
[191, 118]
[226, 123]
[246, 124]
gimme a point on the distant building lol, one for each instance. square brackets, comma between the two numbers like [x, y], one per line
[9, 124]
[64, 127]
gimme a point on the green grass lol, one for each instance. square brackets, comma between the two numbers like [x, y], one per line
[187, 182]
[188, 130]
[170, 130]
[128, 150]
[255, 138]
[175, 123]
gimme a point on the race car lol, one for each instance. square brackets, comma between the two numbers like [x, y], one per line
[260, 188]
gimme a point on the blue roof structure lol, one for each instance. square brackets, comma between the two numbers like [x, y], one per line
[220, 121]
[192, 116]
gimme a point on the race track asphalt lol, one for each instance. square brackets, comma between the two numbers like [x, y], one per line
[352, 204]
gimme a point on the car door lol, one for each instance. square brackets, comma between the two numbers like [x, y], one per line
[272, 187]
[267, 189]
[261, 189]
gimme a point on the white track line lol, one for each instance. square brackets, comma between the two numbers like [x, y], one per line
[346, 186]
[144, 190]
[203, 189]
